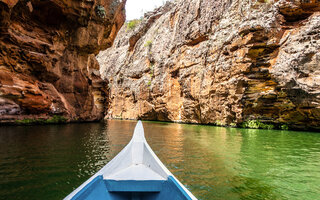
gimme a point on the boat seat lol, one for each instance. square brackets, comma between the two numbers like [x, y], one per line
[134, 186]
[135, 178]
[135, 172]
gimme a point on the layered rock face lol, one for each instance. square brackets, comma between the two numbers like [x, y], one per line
[47, 57]
[219, 62]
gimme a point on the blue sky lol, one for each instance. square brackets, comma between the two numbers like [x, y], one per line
[136, 8]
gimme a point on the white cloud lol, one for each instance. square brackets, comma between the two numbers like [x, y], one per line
[136, 8]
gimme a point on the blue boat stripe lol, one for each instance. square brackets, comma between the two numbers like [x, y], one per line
[87, 188]
[171, 178]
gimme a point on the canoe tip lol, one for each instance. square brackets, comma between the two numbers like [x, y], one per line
[139, 124]
[138, 131]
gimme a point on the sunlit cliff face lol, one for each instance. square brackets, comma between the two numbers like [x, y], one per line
[218, 62]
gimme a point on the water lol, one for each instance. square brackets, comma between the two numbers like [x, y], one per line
[48, 162]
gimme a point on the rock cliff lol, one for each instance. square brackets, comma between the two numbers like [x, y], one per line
[219, 62]
[47, 57]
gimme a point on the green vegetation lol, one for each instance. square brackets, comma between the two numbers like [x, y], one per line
[100, 10]
[220, 123]
[284, 127]
[133, 23]
[282, 94]
[56, 119]
[151, 66]
[256, 124]
[242, 34]
[149, 83]
[233, 124]
[148, 43]
[30, 121]
[53, 120]
[266, 126]
[250, 124]
[151, 73]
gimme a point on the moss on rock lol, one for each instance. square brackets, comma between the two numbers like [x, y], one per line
[56, 119]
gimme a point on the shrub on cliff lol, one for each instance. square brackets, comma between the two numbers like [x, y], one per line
[148, 43]
[101, 12]
[256, 124]
[133, 23]
[284, 127]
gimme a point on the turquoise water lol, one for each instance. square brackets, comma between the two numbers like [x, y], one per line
[48, 162]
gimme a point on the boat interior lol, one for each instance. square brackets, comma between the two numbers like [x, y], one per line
[100, 188]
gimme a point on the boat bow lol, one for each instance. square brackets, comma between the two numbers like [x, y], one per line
[136, 172]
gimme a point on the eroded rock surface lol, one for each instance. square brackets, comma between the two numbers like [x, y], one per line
[219, 62]
[47, 57]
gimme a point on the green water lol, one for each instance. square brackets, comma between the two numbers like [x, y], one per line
[48, 162]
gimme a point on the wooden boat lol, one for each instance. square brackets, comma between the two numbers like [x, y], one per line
[135, 173]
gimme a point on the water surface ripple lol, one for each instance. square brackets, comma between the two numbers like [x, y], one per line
[48, 162]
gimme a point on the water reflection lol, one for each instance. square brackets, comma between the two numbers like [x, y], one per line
[48, 162]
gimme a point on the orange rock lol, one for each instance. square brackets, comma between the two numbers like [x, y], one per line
[47, 57]
[10, 3]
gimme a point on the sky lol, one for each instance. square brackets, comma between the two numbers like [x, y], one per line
[136, 8]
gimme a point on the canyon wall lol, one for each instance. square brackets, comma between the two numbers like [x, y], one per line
[47, 58]
[221, 62]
